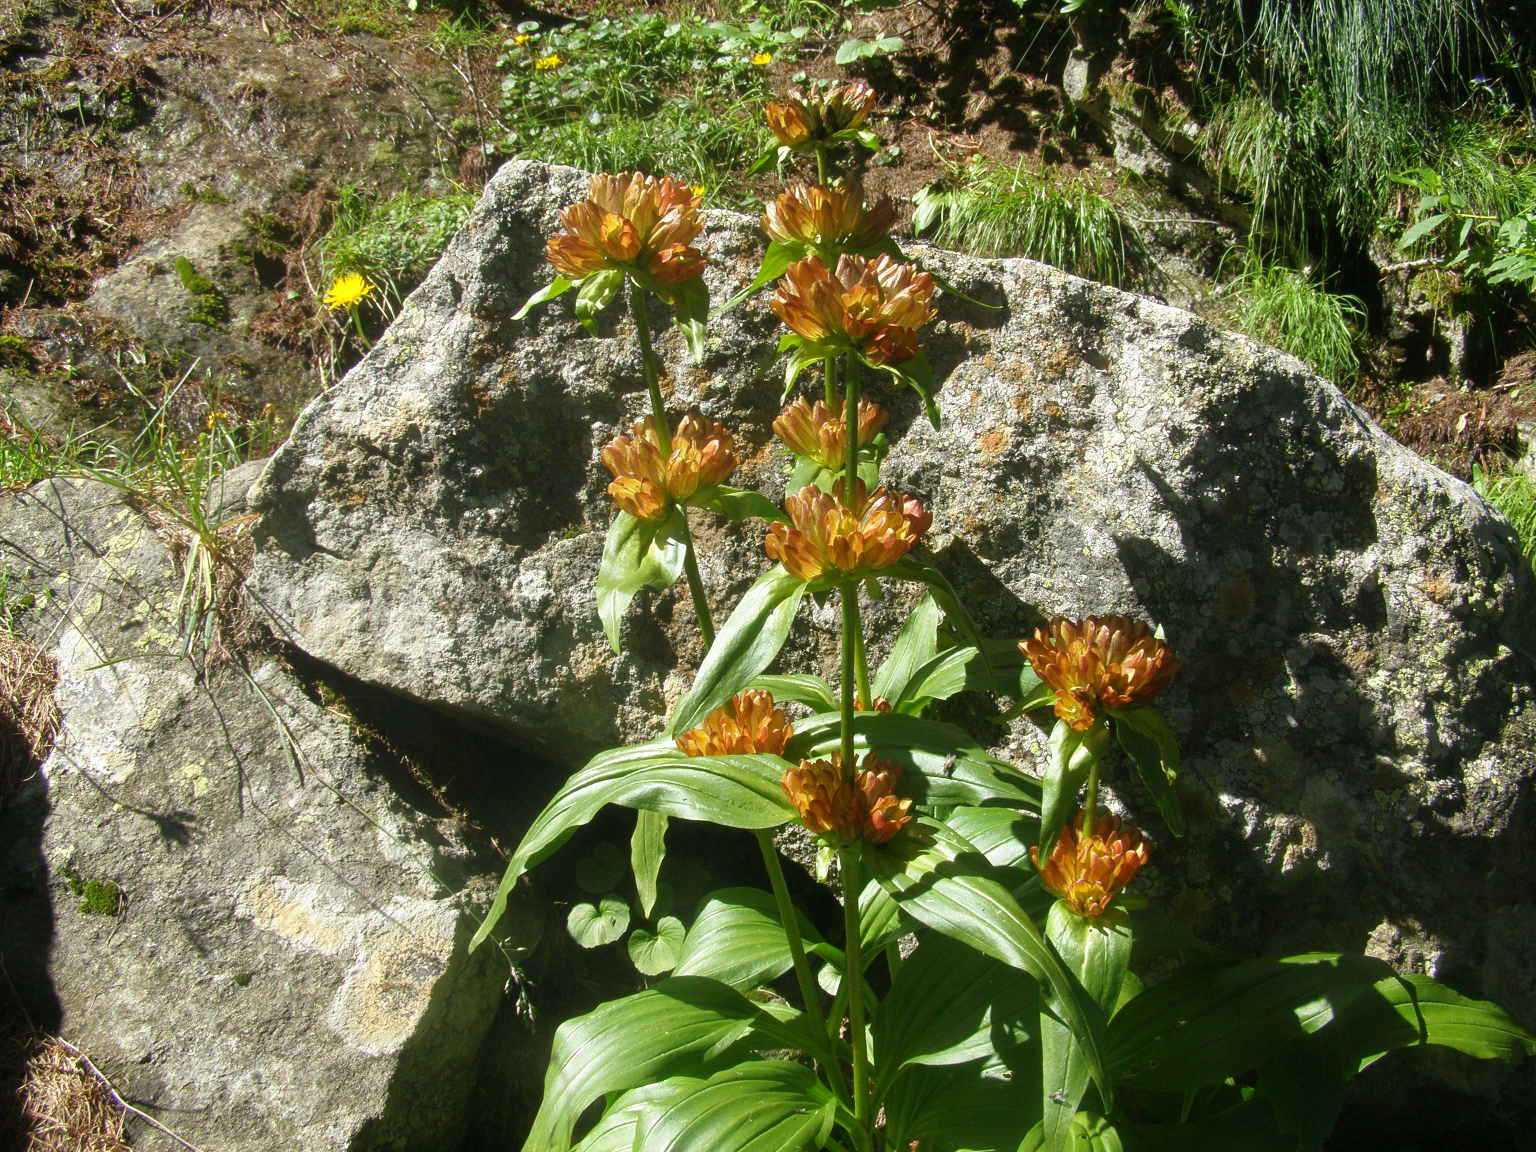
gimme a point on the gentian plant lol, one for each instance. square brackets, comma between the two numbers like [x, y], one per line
[981, 994]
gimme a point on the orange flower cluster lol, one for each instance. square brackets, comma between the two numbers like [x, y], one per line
[1103, 662]
[826, 535]
[828, 806]
[645, 485]
[821, 216]
[630, 221]
[800, 125]
[745, 724]
[875, 306]
[1088, 869]
[816, 430]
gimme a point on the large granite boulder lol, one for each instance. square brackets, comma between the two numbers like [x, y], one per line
[1354, 624]
[217, 886]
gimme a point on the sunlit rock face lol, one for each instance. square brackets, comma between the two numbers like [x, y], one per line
[1353, 625]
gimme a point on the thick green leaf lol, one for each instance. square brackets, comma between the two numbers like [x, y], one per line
[677, 1028]
[690, 308]
[939, 1008]
[1097, 952]
[637, 554]
[593, 925]
[939, 588]
[597, 291]
[737, 939]
[798, 688]
[942, 881]
[971, 1107]
[950, 672]
[647, 849]
[653, 953]
[736, 791]
[1422, 229]
[879, 921]
[559, 286]
[1306, 1081]
[942, 765]
[917, 374]
[1154, 749]
[1209, 1023]
[776, 260]
[803, 356]
[738, 504]
[1002, 835]
[1065, 773]
[745, 645]
[916, 643]
[758, 1106]
[615, 1132]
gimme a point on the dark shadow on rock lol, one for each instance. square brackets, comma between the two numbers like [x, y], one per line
[29, 1004]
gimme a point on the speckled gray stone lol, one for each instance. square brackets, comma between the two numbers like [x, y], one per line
[1354, 624]
[287, 966]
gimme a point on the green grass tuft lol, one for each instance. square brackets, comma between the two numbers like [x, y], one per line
[1290, 310]
[1042, 213]
[1514, 494]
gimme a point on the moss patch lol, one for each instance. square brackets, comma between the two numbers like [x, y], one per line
[97, 897]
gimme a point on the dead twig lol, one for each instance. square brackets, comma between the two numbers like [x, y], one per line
[117, 1097]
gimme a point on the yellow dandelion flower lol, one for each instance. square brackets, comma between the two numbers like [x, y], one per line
[548, 63]
[521, 38]
[697, 189]
[347, 292]
[762, 60]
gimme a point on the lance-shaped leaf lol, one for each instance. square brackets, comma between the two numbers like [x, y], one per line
[1213, 1022]
[637, 554]
[940, 589]
[940, 1008]
[595, 294]
[949, 672]
[615, 1132]
[738, 504]
[744, 647]
[942, 764]
[798, 688]
[1066, 770]
[737, 939]
[1003, 836]
[917, 374]
[690, 308]
[779, 256]
[678, 1028]
[557, 287]
[976, 1107]
[916, 643]
[1154, 749]
[758, 1106]
[943, 882]
[736, 791]
[1306, 1080]
[1096, 951]
[647, 849]
[803, 356]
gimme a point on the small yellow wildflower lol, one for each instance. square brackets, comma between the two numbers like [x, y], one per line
[548, 63]
[521, 38]
[762, 60]
[697, 189]
[347, 292]
[217, 417]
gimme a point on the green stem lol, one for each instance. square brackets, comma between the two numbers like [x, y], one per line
[861, 669]
[1091, 799]
[829, 381]
[853, 981]
[856, 663]
[821, 164]
[649, 368]
[696, 586]
[791, 922]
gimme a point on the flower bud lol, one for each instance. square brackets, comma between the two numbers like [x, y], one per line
[1099, 664]
[1088, 869]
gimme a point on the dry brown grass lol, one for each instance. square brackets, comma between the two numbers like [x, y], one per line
[29, 717]
[65, 1107]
